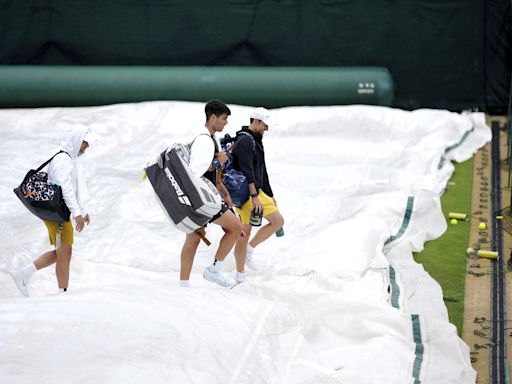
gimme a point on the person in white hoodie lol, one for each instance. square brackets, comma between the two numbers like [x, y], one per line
[64, 170]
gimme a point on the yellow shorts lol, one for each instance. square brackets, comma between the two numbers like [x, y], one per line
[66, 233]
[269, 207]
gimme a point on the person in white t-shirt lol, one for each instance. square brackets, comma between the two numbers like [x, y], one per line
[206, 157]
[65, 170]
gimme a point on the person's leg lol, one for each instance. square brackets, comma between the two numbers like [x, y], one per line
[46, 259]
[241, 250]
[241, 247]
[188, 253]
[62, 266]
[232, 228]
[275, 221]
[64, 248]
[50, 257]
[22, 276]
[57, 233]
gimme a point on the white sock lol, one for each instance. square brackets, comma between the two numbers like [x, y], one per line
[63, 290]
[184, 283]
[217, 266]
[27, 271]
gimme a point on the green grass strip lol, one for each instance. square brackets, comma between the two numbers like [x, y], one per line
[445, 258]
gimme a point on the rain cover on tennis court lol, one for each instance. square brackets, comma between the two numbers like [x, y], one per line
[338, 299]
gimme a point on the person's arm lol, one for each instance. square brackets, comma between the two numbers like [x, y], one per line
[62, 169]
[266, 183]
[224, 193]
[61, 174]
[256, 203]
[244, 153]
[201, 155]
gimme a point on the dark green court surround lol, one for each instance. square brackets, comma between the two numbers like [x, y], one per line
[451, 54]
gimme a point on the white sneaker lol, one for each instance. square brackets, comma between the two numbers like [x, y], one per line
[249, 259]
[21, 283]
[217, 277]
[241, 277]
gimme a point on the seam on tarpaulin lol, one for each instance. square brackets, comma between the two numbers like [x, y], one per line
[419, 350]
[453, 146]
[405, 221]
[395, 293]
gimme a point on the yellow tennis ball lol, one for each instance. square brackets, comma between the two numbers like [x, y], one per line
[469, 250]
[454, 221]
[482, 226]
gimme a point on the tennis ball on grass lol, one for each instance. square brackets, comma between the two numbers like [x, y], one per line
[454, 221]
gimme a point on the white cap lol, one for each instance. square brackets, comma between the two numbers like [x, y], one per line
[262, 114]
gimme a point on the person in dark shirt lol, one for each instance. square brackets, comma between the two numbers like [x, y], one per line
[249, 157]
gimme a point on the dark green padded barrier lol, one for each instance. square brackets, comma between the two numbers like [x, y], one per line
[43, 86]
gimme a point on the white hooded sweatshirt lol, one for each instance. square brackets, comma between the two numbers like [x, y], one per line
[65, 170]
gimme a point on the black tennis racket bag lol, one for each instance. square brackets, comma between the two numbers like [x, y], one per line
[189, 200]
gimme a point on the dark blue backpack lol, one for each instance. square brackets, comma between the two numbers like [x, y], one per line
[234, 179]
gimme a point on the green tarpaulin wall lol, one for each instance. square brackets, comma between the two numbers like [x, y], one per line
[439, 52]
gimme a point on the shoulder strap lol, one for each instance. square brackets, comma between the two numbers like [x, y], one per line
[48, 161]
[189, 144]
[244, 133]
[248, 135]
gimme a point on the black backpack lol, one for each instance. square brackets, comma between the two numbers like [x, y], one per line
[233, 179]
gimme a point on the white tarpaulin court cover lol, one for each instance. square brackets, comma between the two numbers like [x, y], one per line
[337, 299]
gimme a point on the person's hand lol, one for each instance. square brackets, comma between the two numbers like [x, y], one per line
[80, 222]
[228, 200]
[87, 219]
[222, 157]
[256, 204]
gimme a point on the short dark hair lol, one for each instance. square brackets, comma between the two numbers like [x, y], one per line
[216, 107]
